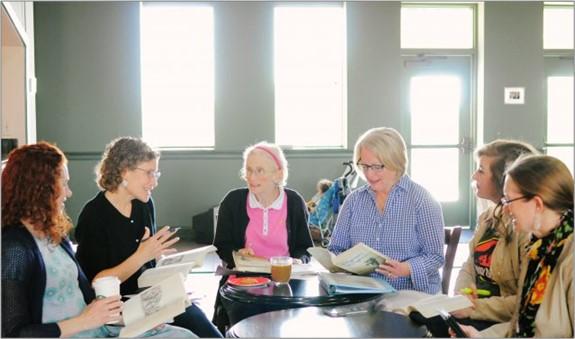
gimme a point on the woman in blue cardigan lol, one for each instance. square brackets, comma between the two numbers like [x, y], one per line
[44, 291]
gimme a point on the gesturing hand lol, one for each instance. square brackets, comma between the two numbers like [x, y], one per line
[152, 247]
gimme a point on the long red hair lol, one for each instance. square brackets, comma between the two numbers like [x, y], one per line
[30, 190]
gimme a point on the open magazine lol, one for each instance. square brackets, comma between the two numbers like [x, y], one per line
[196, 256]
[342, 283]
[429, 305]
[156, 305]
[360, 259]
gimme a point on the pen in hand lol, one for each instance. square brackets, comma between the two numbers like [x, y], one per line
[479, 292]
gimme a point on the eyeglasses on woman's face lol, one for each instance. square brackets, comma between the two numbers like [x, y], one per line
[152, 174]
[506, 201]
[257, 172]
[376, 168]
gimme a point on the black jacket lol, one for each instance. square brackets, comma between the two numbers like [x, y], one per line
[233, 221]
[24, 284]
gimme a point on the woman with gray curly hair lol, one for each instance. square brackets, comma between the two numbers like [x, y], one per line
[113, 225]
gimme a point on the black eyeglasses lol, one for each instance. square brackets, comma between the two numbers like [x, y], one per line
[375, 168]
[505, 201]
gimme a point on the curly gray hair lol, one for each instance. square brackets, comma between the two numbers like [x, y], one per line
[121, 154]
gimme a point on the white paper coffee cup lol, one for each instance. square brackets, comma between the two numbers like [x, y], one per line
[107, 287]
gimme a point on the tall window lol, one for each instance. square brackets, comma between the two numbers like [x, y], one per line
[309, 76]
[177, 67]
[437, 43]
[560, 118]
[558, 27]
[436, 27]
[558, 45]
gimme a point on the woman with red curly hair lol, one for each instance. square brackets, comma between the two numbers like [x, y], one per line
[44, 291]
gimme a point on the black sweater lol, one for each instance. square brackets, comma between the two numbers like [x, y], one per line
[106, 238]
[24, 284]
[233, 221]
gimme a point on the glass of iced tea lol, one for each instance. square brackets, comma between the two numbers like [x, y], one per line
[281, 269]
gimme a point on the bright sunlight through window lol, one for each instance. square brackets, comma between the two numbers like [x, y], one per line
[560, 118]
[429, 27]
[429, 165]
[309, 76]
[560, 109]
[177, 67]
[558, 27]
[434, 101]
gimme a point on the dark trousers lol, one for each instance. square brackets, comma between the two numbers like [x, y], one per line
[196, 321]
[438, 327]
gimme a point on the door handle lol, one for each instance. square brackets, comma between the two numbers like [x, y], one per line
[466, 145]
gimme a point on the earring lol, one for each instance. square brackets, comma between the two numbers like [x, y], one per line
[537, 222]
[124, 182]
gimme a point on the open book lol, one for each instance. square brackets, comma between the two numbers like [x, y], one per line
[154, 275]
[341, 283]
[154, 306]
[429, 305]
[250, 263]
[360, 259]
[196, 256]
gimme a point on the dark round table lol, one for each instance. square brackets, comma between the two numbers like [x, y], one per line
[312, 322]
[243, 302]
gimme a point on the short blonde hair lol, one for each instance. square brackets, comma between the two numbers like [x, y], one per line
[274, 153]
[388, 146]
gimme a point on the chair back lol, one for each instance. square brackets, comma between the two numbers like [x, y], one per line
[452, 235]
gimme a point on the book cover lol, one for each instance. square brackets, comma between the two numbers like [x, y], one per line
[156, 305]
[341, 283]
[360, 259]
[196, 256]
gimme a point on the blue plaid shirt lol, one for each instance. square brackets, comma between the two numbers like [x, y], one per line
[409, 229]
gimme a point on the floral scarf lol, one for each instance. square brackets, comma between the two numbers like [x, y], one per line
[543, 256]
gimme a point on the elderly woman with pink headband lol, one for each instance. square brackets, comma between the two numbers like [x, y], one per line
[265, 219]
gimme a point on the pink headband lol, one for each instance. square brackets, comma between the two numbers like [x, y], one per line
[270, 152]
